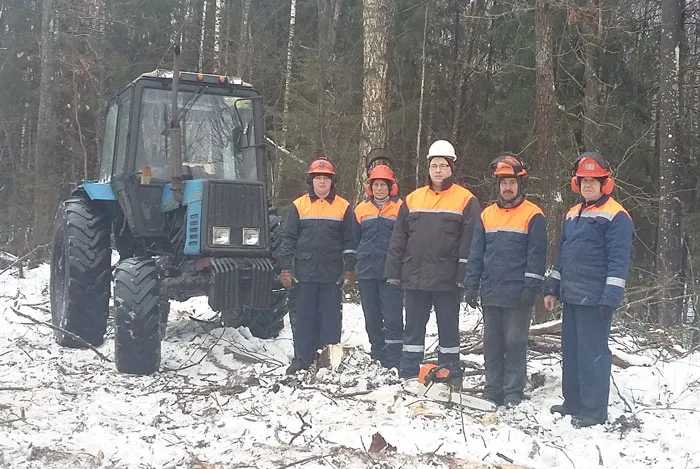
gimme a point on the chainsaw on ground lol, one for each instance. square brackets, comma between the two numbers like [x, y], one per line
[435, 383]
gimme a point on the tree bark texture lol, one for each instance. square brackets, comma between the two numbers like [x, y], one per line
[243, 67]
[376, 24]
[286, 96]
[669, 245]
[421, 99]
[45, 164]
[544, 181]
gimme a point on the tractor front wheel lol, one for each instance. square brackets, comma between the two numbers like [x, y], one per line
[137, 316]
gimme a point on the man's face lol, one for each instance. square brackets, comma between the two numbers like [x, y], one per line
[322, 185]
[380, 189]
[591, 189]
[439, 169]
[508, 189]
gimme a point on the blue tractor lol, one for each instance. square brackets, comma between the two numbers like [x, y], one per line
[182, 195]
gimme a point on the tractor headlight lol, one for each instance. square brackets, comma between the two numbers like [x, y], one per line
[251, 236]
[221, 236]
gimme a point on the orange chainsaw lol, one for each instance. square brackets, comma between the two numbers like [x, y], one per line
[435, 383]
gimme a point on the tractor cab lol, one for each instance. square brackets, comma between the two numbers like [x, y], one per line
[221, 156]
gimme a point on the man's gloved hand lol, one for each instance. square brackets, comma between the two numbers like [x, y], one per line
[393, 281]
[527, 298]
[471, 297]
[350, 279]
[605, 312]
[286, 279]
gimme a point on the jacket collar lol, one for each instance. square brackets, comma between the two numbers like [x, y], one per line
[391, 199]
[596, 203]
[500, 204]
[329, 198]
[446, 184]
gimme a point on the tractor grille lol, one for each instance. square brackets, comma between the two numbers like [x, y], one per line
[240, 282]
[236, 205]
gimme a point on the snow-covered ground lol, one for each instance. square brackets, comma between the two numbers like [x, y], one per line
[222, 400]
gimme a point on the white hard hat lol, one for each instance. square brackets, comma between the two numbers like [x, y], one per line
[442, 148]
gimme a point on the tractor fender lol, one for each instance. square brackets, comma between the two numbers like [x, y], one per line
[96, 190]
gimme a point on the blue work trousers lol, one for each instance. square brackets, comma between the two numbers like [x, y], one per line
[319, 318]
[586, 361]
[418, 306]
[505, 350]
[382, 304]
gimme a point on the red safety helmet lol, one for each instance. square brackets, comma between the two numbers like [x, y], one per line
[321, 166]
[381, 171]
[592, 165]
[508, 166]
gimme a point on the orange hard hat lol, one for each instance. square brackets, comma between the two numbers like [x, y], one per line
[381, 171]
[591, 165]
[321, 166]
[508, 166]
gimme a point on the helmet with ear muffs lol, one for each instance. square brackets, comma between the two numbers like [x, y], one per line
[380, 171]
[509, 166]
[592, 165]
[321, 166]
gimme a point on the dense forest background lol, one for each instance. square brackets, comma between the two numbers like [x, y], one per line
[543, 79]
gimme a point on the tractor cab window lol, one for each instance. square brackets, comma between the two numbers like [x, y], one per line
[110, 138]
[218, 135]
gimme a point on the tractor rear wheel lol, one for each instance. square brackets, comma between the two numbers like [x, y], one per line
[137, 316]
[81, 272]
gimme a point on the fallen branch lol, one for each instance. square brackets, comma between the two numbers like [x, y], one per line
[60, 329]
[305, 460]
[20, 259]
[303, 428]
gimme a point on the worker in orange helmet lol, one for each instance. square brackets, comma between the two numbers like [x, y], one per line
[382, 302]
[589, 278]
[318, 241]
[506, 266]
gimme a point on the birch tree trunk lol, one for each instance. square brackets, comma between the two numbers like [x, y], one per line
[421, 99]
[328, 17]
[243, 69]
[218, 19]
[376, 20]
[669, 245]
[45, 191]
[286, 97]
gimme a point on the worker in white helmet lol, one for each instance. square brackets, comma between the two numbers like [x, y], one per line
[428, 256]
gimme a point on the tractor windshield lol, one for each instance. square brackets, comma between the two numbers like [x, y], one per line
[218, 135]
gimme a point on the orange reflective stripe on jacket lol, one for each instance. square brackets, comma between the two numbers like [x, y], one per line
[367, 210]
[320, 209]
[452, 200]
[516, 220]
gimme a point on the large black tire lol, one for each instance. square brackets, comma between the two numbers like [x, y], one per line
[268, 324]
[81, 272]
[137, 316]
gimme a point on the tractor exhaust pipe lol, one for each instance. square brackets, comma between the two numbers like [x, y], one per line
[176, 132]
